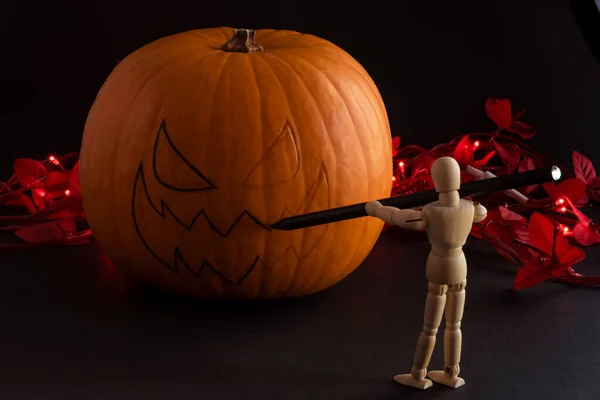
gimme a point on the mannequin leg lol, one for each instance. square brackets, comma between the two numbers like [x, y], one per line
[434, 309]
[452, 338]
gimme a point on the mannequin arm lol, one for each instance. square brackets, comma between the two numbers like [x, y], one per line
[408, 219]
[480, 213]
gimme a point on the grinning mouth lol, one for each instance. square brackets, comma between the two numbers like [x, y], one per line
[171, 255]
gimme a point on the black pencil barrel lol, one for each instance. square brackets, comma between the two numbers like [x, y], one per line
[496, 184]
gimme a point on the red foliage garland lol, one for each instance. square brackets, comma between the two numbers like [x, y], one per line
[540, 229]
[41, 204]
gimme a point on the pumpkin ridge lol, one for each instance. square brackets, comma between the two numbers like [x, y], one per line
[260, 110]
[323, 125]
[303, 84]
[342, 98]
[278, 139]
[279, 85]
[225, 60]
[353, 65]
[123, 137]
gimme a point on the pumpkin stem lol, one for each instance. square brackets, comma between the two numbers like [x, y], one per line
[242, 41]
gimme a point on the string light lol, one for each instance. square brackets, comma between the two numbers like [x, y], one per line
[402, 170]
[566, 229]
[393, 178]
[563, 209]
[67, 192]
[53, 160]
[476, 144]
[560, 201]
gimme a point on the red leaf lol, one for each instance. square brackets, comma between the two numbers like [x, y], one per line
[483, 162]
[505, 232]
[527, 165]
[583, 200]
[74, 185]
[505, 225]
[17, 198]
[550, 188]
[28, 171]
[543, 235]
[583, 168]
[499, 111]
[581, 217]
[47, 231]
[56, 179]
[464, 152]
[39, 198]
[541, 232]
[573, 188]
[509, 156]
[511, 216]
[521, 129]
[593, 189]
[530, 274]
[584, 233]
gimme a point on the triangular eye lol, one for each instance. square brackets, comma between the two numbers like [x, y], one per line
[172, 169]
[278, 164]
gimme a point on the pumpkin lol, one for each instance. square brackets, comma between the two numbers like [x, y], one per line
[199, 141]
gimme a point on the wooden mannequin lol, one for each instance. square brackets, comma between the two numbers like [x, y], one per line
[447, 222]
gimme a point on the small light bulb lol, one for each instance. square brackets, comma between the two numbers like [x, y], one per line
[563, 209]
[476, 144]
[67, 192]
[51, 158]
[560, 201]
[401, 164]
[393, 178]
[566, 229]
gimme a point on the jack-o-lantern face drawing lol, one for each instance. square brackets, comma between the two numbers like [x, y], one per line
[190, 152]
[200, 231]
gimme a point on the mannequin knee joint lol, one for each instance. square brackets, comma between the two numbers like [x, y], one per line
[457, 287]
[437, 290]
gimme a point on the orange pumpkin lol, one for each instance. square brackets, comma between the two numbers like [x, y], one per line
[194, 147]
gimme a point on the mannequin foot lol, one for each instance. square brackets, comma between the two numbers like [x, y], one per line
[408, 380]
[445, 379]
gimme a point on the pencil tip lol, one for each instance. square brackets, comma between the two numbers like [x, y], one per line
[277, 225]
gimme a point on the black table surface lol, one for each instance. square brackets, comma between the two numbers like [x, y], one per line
[73, 327]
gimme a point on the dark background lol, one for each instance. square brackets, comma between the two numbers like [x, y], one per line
[434, 62]
[73, 327]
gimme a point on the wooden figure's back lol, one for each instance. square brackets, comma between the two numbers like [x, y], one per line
[448, 227]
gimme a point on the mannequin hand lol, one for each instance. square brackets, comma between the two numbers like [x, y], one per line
[480, 213]
[372, 207]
